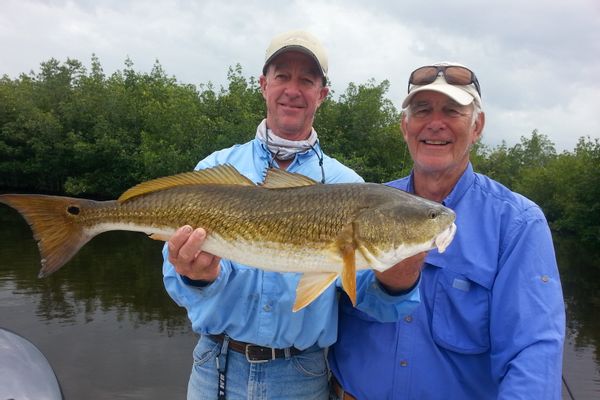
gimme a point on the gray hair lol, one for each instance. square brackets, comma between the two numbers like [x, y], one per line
[476, 112]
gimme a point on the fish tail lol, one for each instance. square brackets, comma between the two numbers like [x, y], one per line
[56, 225]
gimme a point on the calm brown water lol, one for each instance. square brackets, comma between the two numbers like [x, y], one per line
[104, 322]
[109, 329]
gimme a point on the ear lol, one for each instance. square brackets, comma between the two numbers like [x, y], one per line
[262, 81]
[403, 124]
[478, 127]
[324, 91]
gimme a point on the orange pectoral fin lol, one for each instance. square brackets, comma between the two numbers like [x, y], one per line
[349, 271]
[311, 285]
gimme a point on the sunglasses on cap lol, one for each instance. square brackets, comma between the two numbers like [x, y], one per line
[453, 74]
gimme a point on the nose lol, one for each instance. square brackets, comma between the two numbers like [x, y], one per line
[437, 123]
[292, 88]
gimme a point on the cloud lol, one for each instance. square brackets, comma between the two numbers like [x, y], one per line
[536, 60]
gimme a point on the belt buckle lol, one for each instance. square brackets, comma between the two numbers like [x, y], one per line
[273, 356]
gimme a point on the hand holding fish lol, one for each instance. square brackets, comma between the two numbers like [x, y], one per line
[403, 275]
[186, 255]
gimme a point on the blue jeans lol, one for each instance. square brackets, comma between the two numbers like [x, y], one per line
[304, 376]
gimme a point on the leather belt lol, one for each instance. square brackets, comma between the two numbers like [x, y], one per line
[339, 390]
[255, 353]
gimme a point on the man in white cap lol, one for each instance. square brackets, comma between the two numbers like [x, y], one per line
[252, 345]
[491, 322]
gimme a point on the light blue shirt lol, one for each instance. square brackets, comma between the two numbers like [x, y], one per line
[491, 323]
[255, 306]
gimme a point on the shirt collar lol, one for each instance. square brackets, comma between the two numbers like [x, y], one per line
[300, 158]
[461, 187]
[459, 190]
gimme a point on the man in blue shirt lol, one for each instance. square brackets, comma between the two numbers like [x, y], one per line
[491, 322]
[252, 345]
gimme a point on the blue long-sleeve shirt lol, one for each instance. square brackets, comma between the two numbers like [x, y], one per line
[255, 306]
[491, 322]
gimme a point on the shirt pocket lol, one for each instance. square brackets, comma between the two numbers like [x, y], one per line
[461, 317]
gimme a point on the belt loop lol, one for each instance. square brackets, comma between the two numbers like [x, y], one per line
[288, 353]
[225, 345]
[221, 361]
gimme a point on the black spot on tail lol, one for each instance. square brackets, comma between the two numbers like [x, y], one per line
[73, 210]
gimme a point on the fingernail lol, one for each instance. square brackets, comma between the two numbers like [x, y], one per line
[187, 229]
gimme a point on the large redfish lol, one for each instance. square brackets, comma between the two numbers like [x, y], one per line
[290, 223]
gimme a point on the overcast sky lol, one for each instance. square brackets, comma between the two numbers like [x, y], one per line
[538, 61]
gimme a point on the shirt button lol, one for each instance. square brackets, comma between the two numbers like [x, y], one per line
[408, 318]
[545, 278]
[403, 363]
[267, 307]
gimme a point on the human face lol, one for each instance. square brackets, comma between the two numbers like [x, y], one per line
[293, 90]
[439, 133]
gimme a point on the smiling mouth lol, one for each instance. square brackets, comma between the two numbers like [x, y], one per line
[435, 142]
[290, 105]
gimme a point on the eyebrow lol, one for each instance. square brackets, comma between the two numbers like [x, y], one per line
[419, 103]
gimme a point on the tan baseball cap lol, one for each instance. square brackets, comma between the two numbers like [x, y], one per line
[297, 40]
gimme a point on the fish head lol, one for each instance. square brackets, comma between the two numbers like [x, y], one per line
[391, 232]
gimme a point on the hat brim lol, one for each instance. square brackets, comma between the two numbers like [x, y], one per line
[463, 95]
[301, 49]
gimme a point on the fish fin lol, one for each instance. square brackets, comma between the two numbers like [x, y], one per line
[311, 285]
[159, 236]
[347, 248]
[225, 174]
[54, 221]
[349, 271]
[278, 178]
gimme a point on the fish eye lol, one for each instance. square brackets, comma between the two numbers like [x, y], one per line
[433, 214]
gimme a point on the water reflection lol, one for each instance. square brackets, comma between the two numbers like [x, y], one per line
[580, 275]
[117, 271]
[103, 321]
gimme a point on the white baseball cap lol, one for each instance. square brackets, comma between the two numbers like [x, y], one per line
[462, 94]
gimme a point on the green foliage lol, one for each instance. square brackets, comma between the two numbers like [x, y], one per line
[568, 189]
[67, 130]
[566, 186]
[506, 164]
[362, 130]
